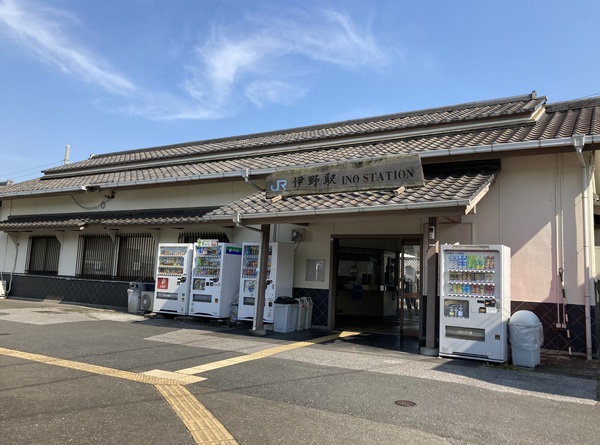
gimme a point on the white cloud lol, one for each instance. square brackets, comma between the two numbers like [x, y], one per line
[266, 62]
[264, 58]
[35, 29]
[263, 92]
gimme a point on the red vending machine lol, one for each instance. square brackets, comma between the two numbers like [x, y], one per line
[172, 278]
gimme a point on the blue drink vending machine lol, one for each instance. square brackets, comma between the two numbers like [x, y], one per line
[474, 301]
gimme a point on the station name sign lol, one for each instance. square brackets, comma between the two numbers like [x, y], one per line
[390, 173]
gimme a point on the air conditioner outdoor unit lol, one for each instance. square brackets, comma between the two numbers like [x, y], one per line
[2, 289]
[147, 301]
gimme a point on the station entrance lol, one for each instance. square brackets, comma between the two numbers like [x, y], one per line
[378, 284]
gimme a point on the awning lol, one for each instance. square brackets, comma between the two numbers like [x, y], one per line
[450, 192]
[72, 221]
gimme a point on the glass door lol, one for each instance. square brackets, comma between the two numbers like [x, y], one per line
[409, 288]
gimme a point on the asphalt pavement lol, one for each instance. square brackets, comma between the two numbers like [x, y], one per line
[84, 375]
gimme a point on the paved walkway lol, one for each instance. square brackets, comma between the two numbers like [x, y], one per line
[85, 341]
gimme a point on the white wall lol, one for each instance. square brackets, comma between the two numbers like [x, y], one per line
[198, 195]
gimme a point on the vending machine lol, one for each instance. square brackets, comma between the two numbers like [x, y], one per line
[474, 301]
[280, 278]
[215, 278]
[172, 278]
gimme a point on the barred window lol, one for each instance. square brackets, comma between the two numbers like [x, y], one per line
[137, 257]
[42, 255]
[95, 256]
[129, 257]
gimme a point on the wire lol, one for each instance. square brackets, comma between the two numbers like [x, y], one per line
[589, 96]
[11, 175]
[99, 206]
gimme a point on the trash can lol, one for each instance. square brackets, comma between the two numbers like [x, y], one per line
[285, 314]
[526, 337]
[302, 306]
[309, 311]
[134, 296]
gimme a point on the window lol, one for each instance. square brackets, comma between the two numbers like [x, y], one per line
[137, 256]
[129, 257]
[192, 237]
[42, 255]
[95, 256]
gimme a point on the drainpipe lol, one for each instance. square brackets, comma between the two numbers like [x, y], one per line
[578, 143]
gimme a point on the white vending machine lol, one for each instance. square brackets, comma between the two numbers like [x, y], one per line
[280, 278]
[172, 278]
[215, 278]
[474, 301]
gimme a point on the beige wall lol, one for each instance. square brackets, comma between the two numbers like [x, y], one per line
[523, 211]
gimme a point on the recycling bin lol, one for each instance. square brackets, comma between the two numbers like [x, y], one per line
[309, 311]
[285, 314]
[134, 297]
[526, 336]
[300, 319]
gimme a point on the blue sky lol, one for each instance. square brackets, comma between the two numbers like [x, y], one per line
[112, 75]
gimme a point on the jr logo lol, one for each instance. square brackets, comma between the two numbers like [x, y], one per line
[281, 184]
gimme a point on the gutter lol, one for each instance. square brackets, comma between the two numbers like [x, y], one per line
[578, 143]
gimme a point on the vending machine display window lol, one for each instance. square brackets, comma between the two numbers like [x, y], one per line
[250, 285]
[199, 284]
[456, 308]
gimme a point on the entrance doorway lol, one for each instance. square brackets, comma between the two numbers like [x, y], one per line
[378, 284]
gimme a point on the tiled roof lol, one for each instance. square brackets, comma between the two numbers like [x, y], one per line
[552, 126]
[122, 218]
[511, 107]
[456, 190]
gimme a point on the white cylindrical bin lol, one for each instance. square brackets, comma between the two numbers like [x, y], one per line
[526, 337]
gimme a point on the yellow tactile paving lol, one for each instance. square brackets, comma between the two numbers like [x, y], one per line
[203, 426]
[264, 353]
[180, 378]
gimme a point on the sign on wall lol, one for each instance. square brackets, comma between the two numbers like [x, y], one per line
[378, 174]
